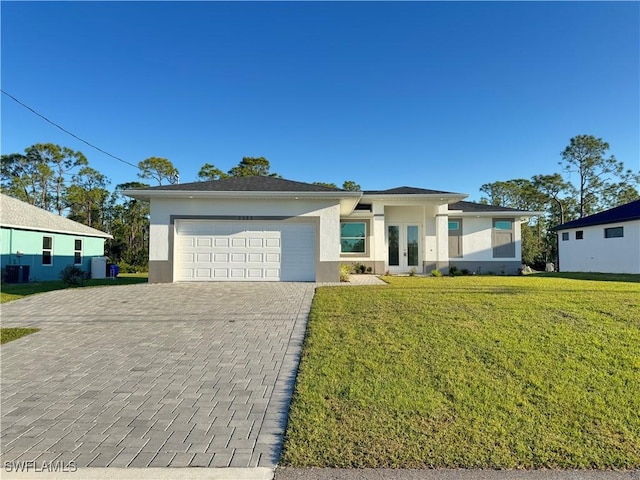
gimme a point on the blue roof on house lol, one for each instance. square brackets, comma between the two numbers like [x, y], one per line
[623, 213]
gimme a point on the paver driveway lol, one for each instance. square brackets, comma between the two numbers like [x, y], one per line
[153, 375]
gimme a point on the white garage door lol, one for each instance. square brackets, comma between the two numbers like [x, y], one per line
[245, 251]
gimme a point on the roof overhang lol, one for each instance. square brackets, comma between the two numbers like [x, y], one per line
[569, 226]
[441, 198]
[53, 230]
[523, 215]
[347, 200]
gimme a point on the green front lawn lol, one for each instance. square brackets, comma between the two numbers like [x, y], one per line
[10, 334]
[488, 372]
[14, 291]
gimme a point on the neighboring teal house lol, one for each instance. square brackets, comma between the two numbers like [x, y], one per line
[44, 241]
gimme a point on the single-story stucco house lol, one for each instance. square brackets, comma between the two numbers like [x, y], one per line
[271, 229]
[44, 241]
[607, 242]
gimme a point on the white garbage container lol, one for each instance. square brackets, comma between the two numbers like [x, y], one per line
[99, 267]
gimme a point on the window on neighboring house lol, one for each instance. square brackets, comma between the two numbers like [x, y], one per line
[77, 252]
[47, 250]
[353, 237]
[614, 232]
[565, 236]
[579, 235]
[455, 238]
[504, 245]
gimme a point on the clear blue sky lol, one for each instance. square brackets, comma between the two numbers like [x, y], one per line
[435, 95]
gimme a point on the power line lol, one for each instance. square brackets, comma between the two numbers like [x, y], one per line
[66, 131]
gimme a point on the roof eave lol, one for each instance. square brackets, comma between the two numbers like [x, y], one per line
[442, 197]
[56, 230]
[494, 213]
[568, 226]
[148, 194]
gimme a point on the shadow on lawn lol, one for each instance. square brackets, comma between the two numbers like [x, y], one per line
[599, 277]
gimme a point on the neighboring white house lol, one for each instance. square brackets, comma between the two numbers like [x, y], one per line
[607, 242]
[271, 229]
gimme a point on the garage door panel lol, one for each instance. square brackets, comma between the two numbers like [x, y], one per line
[203, 241]
[256, 242]
[255, 258]
[272, 258]
[238, 258]
[203, 258]
[245, 251]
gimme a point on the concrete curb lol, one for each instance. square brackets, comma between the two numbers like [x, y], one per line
[189, 473]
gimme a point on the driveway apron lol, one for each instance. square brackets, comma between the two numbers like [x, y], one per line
[160, 375]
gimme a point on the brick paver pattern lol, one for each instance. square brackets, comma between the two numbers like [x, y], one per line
[164, 375]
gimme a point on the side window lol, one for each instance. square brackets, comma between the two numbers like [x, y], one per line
[47, 250]
[455, 238]
[565, 236]
[579, 234]
[77, 251]
[502, 238]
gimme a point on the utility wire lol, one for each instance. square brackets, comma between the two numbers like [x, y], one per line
[66, 131]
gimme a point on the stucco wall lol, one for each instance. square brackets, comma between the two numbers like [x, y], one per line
[477, 243]
[29, 242]
[325, 213]
[595, 253]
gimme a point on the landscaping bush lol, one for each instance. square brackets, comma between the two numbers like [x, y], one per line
[73, 276]
[453, 271]
[345, 272]
[359, 268]
[436, 273]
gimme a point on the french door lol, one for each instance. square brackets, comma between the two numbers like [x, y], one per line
[403, 242]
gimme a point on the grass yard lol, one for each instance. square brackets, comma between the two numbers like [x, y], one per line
[10, 334]
[489, 372]
[14, 291]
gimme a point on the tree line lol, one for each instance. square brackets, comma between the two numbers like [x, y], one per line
[589, 182]
[60, 180]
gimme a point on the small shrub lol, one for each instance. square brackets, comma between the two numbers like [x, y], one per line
[412, 272]
[73, 276]
[453, 270]
[369, 270]
[436, 273]
[345, 272]
[359, 268]
[465, 271]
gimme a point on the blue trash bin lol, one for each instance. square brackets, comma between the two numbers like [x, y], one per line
[114, 270]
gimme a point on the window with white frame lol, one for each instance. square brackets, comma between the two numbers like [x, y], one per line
[77, 251]
[47, 250]
[353, 237]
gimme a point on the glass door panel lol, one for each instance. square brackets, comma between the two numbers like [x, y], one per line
[393, 232]
[412, 245]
